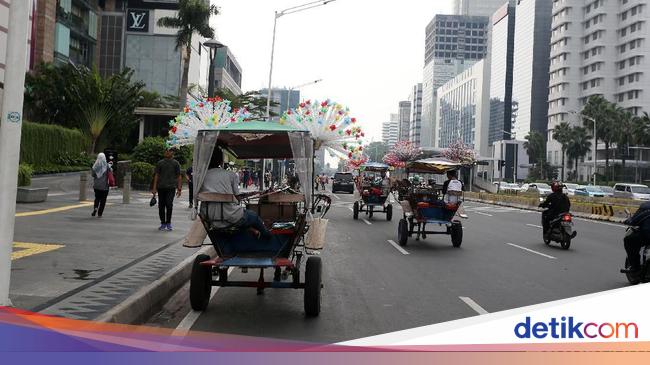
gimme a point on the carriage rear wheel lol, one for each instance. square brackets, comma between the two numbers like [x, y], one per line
[313, 283]
[456, 234]
[355, 211]
[389, 212]
[200, 284]
[402, 232]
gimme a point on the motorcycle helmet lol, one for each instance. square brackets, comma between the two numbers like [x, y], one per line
[556, 187]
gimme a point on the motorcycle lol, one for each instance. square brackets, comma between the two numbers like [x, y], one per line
[644, 275]
[561, 231]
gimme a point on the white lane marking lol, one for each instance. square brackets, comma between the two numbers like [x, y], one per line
[531, 251]
[535, 226]
[472, 304]
[398, 247]
[190, 319]
[485, 214]
[367, 221]
[352, 210]
[336, 196]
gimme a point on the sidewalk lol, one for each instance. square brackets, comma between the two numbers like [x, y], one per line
[67, 263]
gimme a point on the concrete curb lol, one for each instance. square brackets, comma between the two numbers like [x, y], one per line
[150, 299]
[535, 209]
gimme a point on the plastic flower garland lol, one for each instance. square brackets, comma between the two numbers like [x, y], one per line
[460, 152]
[401, 153]
[207, 113]
[330, 125]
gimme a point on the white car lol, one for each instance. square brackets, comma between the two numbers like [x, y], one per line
[543, 189]
[632, 191]
[571, 189]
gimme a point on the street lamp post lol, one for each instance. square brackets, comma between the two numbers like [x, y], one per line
[10, 130]
[278, 15]
[213, 45]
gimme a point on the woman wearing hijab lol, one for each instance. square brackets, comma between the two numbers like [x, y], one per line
[100, 184]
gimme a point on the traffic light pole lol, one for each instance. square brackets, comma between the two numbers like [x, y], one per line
[10, 128]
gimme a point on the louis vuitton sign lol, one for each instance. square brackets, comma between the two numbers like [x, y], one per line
[137, 21]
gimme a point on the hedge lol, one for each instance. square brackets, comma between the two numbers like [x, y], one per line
[44, 144]
[25, 173]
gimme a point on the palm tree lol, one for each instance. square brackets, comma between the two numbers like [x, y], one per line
[604, 112]
[579, 145]
[641, 137]
[535, 147]
[562, 134]
[624, 132]
[193, 18]
[96, 117]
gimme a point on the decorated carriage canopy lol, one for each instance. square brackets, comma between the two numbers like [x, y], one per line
[432, 166]
[256, 140]
[374, 167]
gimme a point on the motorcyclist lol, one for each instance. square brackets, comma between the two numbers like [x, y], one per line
[634, 241]
[556, 203]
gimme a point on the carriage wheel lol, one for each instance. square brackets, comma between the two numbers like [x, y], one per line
[389, 212]
[313, 282]
[456, 234]
[402, 232]
[200, 284]
[355, 211]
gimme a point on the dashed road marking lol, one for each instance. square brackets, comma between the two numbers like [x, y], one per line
[367, 221]
[26, 249]
[531, 251]
[535, 226]
[472, 304]
[398, 247]
[485, 214]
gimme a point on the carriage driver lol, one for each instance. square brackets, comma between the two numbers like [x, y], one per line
[221, 181]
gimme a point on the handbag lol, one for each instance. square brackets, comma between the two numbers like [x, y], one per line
[153, 201]
[111, 179]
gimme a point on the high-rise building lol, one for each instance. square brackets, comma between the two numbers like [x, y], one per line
[416, 114]
[390, 130]
[530, 67]
[452, 44]
[227, 72]
[286, 99]
[404, 120]
[501, 66]
[477, 7]
[597, 48]
[464, 109]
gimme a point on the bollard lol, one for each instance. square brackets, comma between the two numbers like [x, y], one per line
[126, 190]
[83, 186]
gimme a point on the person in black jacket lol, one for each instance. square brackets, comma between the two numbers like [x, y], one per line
[639, 237]
[556, 203]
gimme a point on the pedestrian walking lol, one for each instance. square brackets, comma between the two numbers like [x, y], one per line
[189, 174]
[101, 186]
[167, 178]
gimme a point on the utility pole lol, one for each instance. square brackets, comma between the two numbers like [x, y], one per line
[12, 117]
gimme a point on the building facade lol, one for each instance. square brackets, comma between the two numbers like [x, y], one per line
[501, 66]
[404, 120]
[463, 109]
[227, 71]
[477, 7]
[452, 44]
[415, 128]
[530, 67]
[390, 130]
[598, 47]
[286, 99]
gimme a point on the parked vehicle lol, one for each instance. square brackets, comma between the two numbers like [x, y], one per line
[632, 191]
[607, 190]
[343, 181]
[590, 191]
[543, 189]
[570, 189]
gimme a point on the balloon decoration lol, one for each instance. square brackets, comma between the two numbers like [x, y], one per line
[209, 113]
[330, 125]
[402, 153]
[461, 153]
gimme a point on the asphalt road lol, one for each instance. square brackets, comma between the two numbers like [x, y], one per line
[371, 287]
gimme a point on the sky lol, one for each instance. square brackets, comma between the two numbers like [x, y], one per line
[369, 53]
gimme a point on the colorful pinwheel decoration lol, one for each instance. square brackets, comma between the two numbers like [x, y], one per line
[355, 164]
[330, 125]
[209, 113]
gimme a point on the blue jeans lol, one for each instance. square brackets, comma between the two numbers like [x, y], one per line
[252, 220]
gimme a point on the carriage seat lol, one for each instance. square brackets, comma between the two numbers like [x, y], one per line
[217, 224]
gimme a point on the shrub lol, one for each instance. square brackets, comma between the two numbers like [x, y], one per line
[43, 144]
[71, 159]
[141, 173]
[25, 173]
[57, 169]
[152, 149]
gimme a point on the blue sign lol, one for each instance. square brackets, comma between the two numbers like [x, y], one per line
[14, 117]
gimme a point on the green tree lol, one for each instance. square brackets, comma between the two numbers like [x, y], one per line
[562, 134]
[604, 113]
[251, 100]
[376, 151]
[535, 146]
[193, 18]
[579, 145]
[96, 117]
